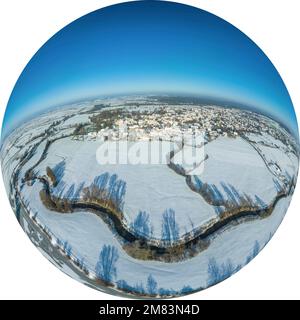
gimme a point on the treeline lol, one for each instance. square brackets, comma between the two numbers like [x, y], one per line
[228, 197]
[79, 129]
[57, 196]
[106, 190]
[54, 203]
[70, 193]
[106, 271]
[152, 289]
[67, 249]
[106, 118]
[142, 226]
[219, 272]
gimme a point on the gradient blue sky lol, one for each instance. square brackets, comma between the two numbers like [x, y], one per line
[148, 46]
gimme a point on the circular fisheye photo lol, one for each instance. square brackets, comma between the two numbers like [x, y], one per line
[149, 149]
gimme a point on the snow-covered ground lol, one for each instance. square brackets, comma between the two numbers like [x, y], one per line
[153, 189]
[86, 233]
[77, 119]
[275, 152]
[150, 188]
[235, 162]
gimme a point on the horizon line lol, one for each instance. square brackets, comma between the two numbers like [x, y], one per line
[216, 100]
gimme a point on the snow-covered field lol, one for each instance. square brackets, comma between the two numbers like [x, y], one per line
[276, 153]
[150, 188]
[248, 165]
[235, 162]
[77, 119]
[86, 233]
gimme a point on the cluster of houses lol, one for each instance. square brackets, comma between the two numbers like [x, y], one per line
[164, 122]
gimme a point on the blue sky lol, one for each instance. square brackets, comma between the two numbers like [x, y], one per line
[148, 46]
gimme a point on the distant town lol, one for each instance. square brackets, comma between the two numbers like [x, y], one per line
[165, 122]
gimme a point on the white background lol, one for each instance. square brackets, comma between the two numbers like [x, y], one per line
[25, 25]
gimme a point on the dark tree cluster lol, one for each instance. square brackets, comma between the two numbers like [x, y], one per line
[51, 176]
[55, 203]
[79, 129]
[107, 189]
[107, 118]
[46, 200]
[175, 166]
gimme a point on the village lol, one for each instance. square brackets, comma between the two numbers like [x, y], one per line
[164, 122]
